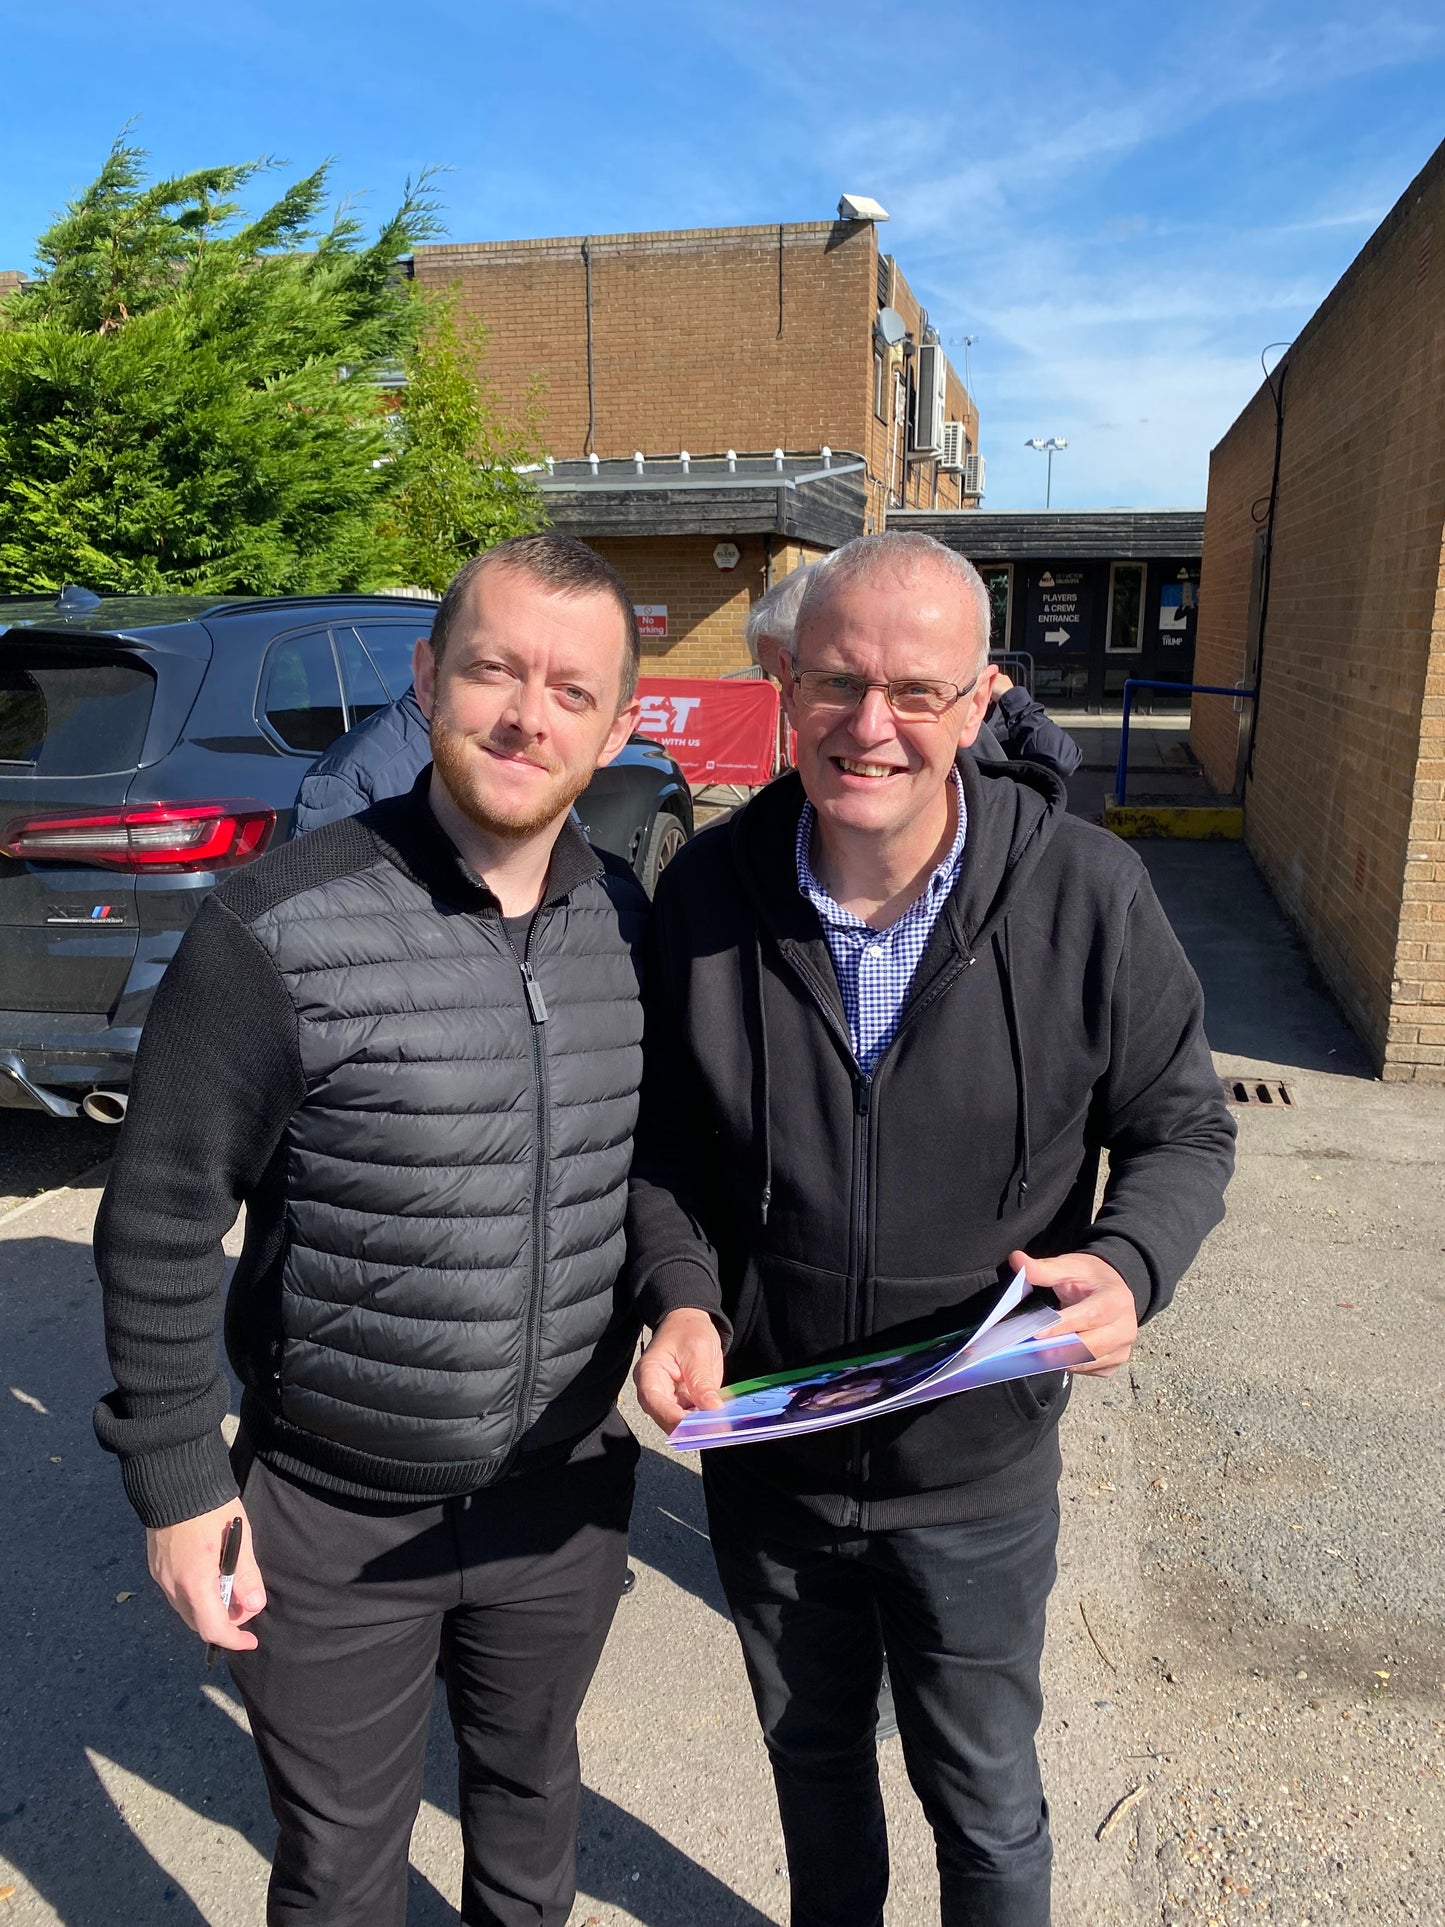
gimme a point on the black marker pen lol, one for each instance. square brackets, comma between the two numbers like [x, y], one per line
[230, 1553]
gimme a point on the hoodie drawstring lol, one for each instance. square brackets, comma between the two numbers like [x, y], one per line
[1004, 953]
[761, 1087]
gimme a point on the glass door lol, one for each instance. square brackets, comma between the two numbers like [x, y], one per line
[1123, 641]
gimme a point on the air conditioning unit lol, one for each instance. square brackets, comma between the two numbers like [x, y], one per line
[932, 384]
[955, 447]
[973, 476]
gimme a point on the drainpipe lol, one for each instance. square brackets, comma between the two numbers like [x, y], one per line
[591, 377]
[1277, 391]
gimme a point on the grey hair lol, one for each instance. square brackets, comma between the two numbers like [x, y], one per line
[899, 552]
[775, 612]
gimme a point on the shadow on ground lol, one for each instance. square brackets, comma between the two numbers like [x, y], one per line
[124, 1784]
[99, 1686]
[1264, 999]
[669, 1527]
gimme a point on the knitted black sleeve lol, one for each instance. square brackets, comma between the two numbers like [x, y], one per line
[217, 1078]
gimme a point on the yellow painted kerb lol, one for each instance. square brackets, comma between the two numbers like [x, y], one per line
[1207, 822]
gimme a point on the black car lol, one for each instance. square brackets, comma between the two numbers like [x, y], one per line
[147, 745]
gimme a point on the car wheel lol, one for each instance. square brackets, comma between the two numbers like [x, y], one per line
[661, 845]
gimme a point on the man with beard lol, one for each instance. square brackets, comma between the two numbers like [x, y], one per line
[410, 1045]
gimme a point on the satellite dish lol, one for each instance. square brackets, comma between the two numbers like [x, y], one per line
[891, 327]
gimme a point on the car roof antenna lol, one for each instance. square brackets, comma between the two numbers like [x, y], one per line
[73, 600]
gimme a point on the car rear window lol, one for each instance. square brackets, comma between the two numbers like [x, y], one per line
[65, 714]
[390, 645]
[302, 699]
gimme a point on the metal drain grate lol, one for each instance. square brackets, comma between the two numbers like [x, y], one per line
[1255, 1090]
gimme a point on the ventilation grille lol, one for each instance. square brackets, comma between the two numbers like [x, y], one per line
[1256, 1090]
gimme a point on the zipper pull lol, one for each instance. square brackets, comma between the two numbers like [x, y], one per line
[865, 1095]
[536, 1002]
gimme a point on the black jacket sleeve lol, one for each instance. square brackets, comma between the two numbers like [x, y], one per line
[1160, 1114]
[217, 1078]
[1027, 735]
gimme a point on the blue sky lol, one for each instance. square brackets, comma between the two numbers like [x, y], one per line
[1122, 203]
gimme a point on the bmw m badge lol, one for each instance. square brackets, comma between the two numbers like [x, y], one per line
[98, 913]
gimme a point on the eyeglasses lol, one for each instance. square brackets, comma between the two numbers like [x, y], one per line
[832, 692]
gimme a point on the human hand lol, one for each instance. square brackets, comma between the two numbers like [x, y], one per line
[1001, 684]
[681, 1369]
[1094, 1302]
[185, 1562]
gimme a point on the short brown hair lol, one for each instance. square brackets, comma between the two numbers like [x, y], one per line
[559, 563]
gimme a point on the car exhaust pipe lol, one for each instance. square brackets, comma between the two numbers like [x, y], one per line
[105, 1107]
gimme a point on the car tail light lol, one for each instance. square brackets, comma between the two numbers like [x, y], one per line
[155, 836]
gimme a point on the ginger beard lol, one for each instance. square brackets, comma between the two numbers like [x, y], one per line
[461, 770]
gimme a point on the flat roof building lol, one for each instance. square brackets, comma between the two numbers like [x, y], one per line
[1087, 597]
[798, 342]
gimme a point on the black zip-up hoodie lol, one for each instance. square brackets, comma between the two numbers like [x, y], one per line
[1052, 1017]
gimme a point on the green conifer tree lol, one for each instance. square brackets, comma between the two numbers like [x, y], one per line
[461, 482]
[188, 398]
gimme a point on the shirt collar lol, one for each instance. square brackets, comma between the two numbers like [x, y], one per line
[409, 833]
[933, 892]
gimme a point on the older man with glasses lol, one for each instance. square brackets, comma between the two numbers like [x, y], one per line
[898, 1009]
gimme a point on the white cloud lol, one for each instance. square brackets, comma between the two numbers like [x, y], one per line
[1134, 330]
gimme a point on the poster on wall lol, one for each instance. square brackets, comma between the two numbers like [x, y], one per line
[1060, 613]
[1178, 613]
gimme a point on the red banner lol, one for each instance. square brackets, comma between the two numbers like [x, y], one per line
[720, 732]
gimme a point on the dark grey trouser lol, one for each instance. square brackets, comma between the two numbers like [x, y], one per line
[516, 1587]
[959, 1611]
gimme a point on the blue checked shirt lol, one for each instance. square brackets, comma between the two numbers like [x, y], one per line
[875, 967]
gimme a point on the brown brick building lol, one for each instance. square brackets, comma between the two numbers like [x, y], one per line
[715, 340]
[1327, 586]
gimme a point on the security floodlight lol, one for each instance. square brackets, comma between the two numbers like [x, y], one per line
[860, 207]
[1049, 448]
[891, 327]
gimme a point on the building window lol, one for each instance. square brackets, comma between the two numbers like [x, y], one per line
[1126, 603]
[880, 385]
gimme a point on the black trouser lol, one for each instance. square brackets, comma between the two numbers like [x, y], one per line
[959, 1612]
[516, 1586]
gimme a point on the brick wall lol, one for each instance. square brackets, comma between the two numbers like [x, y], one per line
[1346, 810]
[707, 607]
[885, 444]
[705, 339]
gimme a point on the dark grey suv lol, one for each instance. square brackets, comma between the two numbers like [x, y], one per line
[147, 746]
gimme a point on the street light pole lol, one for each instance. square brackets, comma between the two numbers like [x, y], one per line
[1049, 447]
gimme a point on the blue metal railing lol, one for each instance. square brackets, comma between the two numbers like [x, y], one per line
[1121, 774]
[1017, 665]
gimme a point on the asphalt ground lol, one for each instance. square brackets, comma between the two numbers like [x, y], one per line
[1247, 1641]
[37, 1153]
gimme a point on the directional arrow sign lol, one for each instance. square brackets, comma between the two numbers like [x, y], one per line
[1059, 615]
